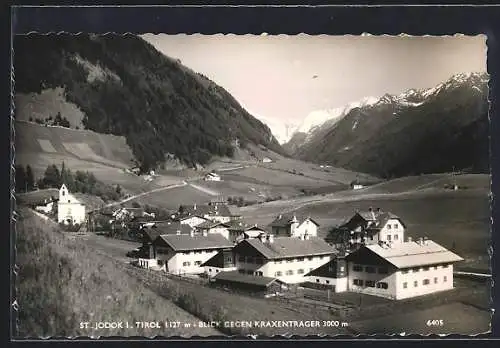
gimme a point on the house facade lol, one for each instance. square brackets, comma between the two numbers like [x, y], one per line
[212, 177]
[285, 225]
[223, 261]
[214, 211]
[332, 275]
[185, 254]
[211, 227]
[369, 227]
[403, 270]
[192, 220]
[288, 259]
[69, 209]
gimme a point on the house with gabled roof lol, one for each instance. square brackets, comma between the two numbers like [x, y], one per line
[285, 258]
[402, 270]
[256, 285]
[368, 227]
[332, 275]
[223, 261]
[239, 230]
[70, 209]
[185, 253]
[291, 225]
[210, 227]
[214, 211]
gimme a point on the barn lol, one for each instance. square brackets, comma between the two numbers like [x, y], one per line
[251, 284]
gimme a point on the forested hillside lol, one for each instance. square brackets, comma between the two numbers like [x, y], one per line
[124, 86]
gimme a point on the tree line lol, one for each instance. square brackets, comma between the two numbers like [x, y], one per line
[79, 181]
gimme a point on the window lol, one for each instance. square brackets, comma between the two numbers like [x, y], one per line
[278, 274]
[383, 270]
[388, 227]
[310, 258]
[396, 237]
[327, 281]
[342, 268]
[369, 269]
[415, 283]
[250, 272]
[300, 271]
[415, 270]
[371, 237]
[259, 273]
[358, 282]
[357, 268]
[300, 259]
[405, 285]
[404, 271]
[197, 263]
[317, 280]
[382, 285]
[446, 265]
[229, 259]
[216, 271]
[445, 279]
[279, 262]
[389, 237]
[210, 270]
[242, 271]
[435, 267]
[396, 226]
[370, 283]
[426, 268]
[241, 258]
[435, 280]
[426, 282]
[187, 263]
[321, 257]
[289, 260]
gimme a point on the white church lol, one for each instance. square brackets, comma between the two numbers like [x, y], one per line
[69, 209]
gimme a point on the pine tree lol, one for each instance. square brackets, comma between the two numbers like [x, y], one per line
[20, 179]
[30, 179]
[52, 177]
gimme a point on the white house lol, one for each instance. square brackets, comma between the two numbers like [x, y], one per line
[369, 227]
[267, 160]
[292, 226]
[401, 270]
[70, 210]
[357, 186]
[46, 207]
[192, 220]
[211, 227]
[288, 259]
[212, 177]
[214, 211]
[332, 275]
[185, 254]
[223, 261]
[239, 230]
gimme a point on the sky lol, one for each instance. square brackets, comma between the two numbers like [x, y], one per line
[284, 78]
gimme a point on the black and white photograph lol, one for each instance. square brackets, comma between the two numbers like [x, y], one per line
[251, 185]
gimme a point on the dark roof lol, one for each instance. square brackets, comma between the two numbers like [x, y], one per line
[171, 228]
[185, 242]
[210, 224]
[236, 277]
[325, 270]
[151, 233]
[284, 220]
[215, 261]
[283, 247]
[379, 218]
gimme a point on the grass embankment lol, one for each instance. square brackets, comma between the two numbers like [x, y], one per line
[61, 284]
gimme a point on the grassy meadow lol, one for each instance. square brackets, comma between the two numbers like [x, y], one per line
[61, 283]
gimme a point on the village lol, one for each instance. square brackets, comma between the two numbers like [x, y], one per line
[368, 254]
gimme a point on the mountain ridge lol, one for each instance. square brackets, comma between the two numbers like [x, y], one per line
[359, 139]
[125, 87]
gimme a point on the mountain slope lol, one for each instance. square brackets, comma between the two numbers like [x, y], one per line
[426, 131]
[124, 86]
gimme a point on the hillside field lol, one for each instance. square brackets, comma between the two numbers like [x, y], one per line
[61, 283]
[460, 218]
